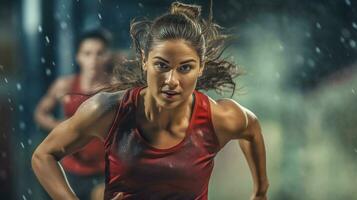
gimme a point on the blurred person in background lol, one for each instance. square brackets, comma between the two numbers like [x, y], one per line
[161, 135]
[84, 168]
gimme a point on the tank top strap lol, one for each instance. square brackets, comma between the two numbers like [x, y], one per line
[204, 120]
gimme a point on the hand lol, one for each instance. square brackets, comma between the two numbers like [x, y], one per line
[260, 197]
[261, 192]
[119, 196]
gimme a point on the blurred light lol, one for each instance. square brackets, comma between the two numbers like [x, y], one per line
[31, 16]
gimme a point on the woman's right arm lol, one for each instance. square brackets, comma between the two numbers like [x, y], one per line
[43, 112]
[92, 119]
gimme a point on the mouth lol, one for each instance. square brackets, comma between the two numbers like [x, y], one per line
[169, 93]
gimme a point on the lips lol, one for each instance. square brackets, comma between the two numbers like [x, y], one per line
[169, 93]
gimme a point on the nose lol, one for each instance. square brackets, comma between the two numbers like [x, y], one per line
[171, 79]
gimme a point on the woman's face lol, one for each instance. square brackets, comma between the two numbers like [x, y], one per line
[92, 56]
[173, 68]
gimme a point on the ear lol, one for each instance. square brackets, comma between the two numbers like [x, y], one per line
[143, 61]
[202, 67]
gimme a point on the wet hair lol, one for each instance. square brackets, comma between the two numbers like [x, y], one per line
[183, 22]
[98, 34]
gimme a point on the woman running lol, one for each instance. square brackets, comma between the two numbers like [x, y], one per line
[84, 168]
[161, 138]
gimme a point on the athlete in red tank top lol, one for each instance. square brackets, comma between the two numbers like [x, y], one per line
[161, 140]
[90, 159]
[140, 170]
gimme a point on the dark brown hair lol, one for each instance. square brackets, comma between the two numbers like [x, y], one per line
[182, 22]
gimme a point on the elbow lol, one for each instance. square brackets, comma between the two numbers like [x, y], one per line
[36, 160]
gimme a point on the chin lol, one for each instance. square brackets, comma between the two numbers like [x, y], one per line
[167, 104]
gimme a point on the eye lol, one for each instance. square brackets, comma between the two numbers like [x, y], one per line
[185, 68]
[161, 66]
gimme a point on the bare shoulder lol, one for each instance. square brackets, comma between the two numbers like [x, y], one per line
[100, 103]
[96, 114]
[230, 118]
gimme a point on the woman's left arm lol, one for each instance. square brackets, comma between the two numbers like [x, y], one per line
[233, 121]
[252, 145]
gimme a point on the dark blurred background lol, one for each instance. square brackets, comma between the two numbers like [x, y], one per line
[301, 81]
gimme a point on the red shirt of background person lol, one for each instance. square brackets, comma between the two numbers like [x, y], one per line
[70, 92]
[161, 139]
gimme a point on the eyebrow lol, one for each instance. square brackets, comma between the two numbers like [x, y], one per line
[158, 57]
[186, 61]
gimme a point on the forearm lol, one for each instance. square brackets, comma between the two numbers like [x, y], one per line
[51, 177]
[46, 121]
[254, 152]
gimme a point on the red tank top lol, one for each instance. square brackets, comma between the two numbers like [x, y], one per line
[90, 159]
[142, 171]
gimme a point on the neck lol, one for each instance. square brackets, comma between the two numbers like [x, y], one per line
[92, 81]
[163, 118]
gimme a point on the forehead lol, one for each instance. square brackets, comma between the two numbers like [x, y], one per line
[91, 43]
[173, 50]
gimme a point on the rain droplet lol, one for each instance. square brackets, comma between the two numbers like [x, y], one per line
[53, 63]
[22, 145]
[6, 80]
[317, 49]
[99, 16]
[47, 39]
[29, 191]
[141, 5]
[29, 141]
[342, 39]
[22, 125]
[353, 91]
[39, 29]
[63, 25]
[18, 86]
[348, 2]
[48, 72]
[318, 25]
[1, 67]
[43, 60]
[9, 100]
[354, 25]
[21, 108]
[352, 43]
